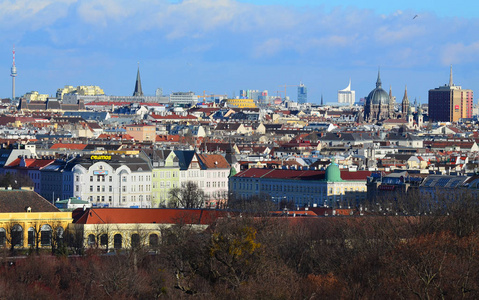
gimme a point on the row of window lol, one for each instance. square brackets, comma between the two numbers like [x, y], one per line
[295, 188]
[123, 198]
[135, 240]
[17, 238]
[102, 178]
[102, 188]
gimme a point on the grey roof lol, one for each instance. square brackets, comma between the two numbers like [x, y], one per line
[134, 162]
[345, 137]
[394, 136]
[87, 115]
[19, 200]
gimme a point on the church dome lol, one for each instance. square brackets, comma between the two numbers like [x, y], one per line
[333, 174]
[378, 96]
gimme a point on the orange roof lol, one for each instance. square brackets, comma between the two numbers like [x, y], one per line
[31, 163]
[69, 146]
[115, 136]
[147, 215]
[169, 138]
[212, 161]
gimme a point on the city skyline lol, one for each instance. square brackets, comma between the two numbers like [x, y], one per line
[224, 46]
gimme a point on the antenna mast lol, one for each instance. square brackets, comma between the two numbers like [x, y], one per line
[13, 73]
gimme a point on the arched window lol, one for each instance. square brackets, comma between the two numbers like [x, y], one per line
[3, 237]
[31, 237]
[17, 235]
[104, 240]
[46, 235]
[91, 240]
[117, 241]
[153, 240]
[135, 240]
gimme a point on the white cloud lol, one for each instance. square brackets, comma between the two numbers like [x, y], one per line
[458, 53]
[101, 11]
[32, 14]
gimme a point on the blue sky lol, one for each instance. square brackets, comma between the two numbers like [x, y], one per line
[222, 46]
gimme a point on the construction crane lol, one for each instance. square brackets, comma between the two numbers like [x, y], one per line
[287, 85]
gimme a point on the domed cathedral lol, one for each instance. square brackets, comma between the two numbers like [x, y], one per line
[379, 104]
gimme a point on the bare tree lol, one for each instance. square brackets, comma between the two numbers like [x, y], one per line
[14, 235]
[75, 238]
[188, 195]
[57, 237]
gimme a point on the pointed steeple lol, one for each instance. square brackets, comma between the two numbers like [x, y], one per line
[390, 92]
[378, 82]
[450, 77]
[138, 91]
[405, 102]
[405, 98]
[322, 100]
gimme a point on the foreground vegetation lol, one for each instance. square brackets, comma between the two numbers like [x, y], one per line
[365, 257]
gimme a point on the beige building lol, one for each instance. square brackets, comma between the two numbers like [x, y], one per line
[35, 96]
[142, 132]
[84, 90]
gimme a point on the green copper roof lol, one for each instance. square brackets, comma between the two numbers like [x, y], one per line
[333, 174]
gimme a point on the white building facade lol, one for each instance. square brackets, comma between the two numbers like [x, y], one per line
[112, 180]
[347, 96]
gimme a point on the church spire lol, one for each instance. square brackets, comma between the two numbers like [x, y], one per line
[450, 77]
[405, 102]
[321, 99]
[378, 82]
[405, 98]
[138, 91]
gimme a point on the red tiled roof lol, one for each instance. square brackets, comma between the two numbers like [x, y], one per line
[300, 174]
[214, 161]
[150, 215]
[68, 146]
[40, 163]
[169, 138]
[115, 136]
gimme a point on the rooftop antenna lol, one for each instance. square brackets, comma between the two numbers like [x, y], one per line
[450, 77]
[13, 73]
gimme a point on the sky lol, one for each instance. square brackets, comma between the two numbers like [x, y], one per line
[222, 46]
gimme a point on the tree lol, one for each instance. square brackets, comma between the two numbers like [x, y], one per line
[15, 180]
[189, 195]
[256, 204]
[14, 235]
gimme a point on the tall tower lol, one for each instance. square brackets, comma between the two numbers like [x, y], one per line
[302, 93]
[138, 91]
[13, 73]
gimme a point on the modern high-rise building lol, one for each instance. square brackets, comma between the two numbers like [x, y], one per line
[449, 103]
[302, 94]
[347, 95]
